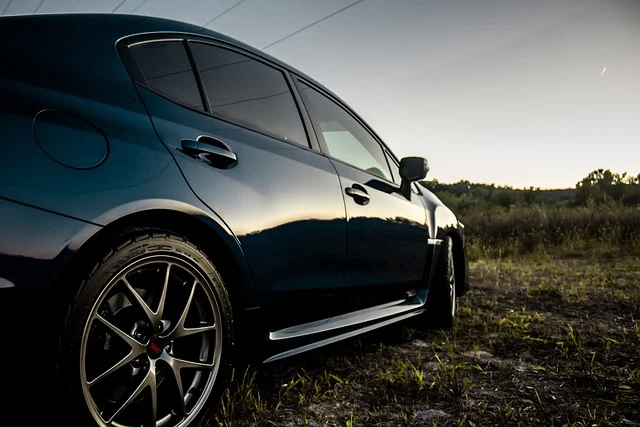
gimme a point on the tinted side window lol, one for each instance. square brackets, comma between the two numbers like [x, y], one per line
[346, 139]
[248, 92]
[167, 69]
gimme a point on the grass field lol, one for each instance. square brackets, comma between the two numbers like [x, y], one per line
[538, 341]
[607, 230]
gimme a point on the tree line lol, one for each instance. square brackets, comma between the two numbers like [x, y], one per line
[599, 187]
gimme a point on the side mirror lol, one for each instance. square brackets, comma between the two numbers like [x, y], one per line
[412, 169]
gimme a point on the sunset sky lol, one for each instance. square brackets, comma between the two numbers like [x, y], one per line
[523, 93]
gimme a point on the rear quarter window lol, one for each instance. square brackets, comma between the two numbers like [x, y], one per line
[168, 71]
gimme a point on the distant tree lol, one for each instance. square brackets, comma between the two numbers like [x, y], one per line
[530, 195]
[599, 186]
[504, 197]
[603, 185]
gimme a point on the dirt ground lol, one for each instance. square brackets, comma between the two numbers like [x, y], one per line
[537, 342]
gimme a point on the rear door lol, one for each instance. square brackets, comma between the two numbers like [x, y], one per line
[234, 127]
[387, 233]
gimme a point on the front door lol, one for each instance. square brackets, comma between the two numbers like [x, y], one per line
[387, 233]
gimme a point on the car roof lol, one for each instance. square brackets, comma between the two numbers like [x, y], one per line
[108, 28]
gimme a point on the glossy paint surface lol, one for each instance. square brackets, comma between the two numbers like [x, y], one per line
[83, 147]
[283, 203]
[70, 140]
[386, 236]
[27, 259]
[88, 82]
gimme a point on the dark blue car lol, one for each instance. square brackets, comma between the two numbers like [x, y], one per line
[172, 200]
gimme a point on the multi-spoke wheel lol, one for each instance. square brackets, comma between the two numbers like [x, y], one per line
[441, 300]
[151, 335]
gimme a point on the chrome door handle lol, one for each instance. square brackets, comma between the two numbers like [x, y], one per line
[359, 194]
[210, 150]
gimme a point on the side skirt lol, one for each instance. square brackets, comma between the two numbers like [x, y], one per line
[340, 337]
[369, 318]
[366, 315]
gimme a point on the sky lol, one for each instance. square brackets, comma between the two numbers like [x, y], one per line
[512, 92]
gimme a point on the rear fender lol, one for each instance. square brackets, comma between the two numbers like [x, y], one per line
[196, 222]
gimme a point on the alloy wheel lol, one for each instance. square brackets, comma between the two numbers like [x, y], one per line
[150, 351]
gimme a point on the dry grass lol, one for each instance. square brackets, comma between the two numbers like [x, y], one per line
[537, 342]
[603, 230]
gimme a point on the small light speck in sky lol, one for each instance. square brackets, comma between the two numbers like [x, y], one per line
[603, 70]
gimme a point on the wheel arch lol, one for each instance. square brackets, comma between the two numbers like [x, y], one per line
[444, 224]
[459, 260]
[194, 224]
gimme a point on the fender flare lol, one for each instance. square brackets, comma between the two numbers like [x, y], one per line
[127, 213]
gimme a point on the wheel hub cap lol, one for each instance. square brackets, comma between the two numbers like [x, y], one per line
[154, 350]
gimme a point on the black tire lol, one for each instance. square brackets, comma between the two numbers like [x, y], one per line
[441, 300]
[148, 248]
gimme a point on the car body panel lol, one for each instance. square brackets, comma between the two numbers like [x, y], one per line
[387, 236]
[443, 222]
[27, 260]
[292, 226]
[138, 174]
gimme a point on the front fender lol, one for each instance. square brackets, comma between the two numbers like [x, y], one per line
[442, 223]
